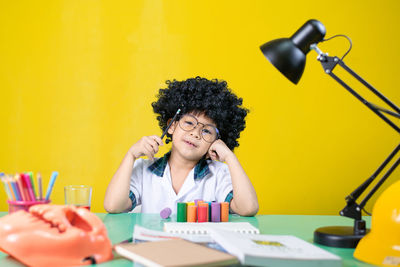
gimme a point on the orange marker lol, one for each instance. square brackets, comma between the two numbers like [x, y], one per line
[224, 211]
[191, 213]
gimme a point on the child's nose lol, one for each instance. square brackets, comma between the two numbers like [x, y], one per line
[196, 132]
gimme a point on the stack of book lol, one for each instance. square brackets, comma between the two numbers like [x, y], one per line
[237, 242]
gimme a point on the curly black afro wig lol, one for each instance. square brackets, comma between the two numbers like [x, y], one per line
[211, 97]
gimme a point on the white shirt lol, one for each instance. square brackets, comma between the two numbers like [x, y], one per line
[155, 193]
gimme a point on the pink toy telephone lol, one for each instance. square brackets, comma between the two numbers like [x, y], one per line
[55, 235]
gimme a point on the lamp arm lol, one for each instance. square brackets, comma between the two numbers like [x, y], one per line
[329, 63]
[394, 114]
[370, 87]
[352, 209]
[381, 181]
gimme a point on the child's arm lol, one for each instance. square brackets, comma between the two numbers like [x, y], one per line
[244, 201]
[117, 198]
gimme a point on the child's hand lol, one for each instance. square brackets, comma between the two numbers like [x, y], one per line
[146, 146]
[219, 151]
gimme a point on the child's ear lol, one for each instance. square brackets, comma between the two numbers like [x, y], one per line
[172, 127]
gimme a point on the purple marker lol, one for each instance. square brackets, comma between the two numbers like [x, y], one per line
[165, 213]
[215, 212]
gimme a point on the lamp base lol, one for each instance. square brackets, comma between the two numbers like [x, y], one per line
[337, 236]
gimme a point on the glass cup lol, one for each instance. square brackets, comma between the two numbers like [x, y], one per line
[78, 195]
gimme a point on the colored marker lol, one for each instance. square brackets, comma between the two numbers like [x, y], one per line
[3, 180]
[202, 213]
[181, 212]
[15, 188]
[39, 183]
[28, 185]
[224, 211]
[32, 184]
[209, 211]
[191, 213]
[20, 187]
[51, 184]
[215, 212]
[10, 188]
[203, 204]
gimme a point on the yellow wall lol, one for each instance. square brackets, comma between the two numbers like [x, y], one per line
[77, 79]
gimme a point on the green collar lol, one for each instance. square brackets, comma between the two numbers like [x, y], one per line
[200, 170]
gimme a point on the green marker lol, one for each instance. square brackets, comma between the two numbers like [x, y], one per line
[181, 212]
[32, 183]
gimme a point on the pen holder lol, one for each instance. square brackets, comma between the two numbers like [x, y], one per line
[23, 205]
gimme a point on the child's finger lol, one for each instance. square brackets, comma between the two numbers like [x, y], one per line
[214, 155]
[150, 149]
[149, 154]
[211, 149]
[155, 146]
[153, 143]
[158, 140]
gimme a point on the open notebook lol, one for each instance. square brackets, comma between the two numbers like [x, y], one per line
[274, 250]
[204, 228]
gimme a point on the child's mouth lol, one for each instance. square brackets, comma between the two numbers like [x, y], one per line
[190, 143]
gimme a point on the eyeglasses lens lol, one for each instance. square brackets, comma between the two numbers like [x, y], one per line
[208, 132]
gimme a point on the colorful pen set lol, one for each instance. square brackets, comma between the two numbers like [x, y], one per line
[200, 211]
[21, 187]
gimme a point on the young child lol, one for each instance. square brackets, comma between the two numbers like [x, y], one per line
[203, 135]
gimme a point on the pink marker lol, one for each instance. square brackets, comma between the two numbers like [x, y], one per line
[28, 184]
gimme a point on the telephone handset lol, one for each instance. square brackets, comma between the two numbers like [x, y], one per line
[55, 235]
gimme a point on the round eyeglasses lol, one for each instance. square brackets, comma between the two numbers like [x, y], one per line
[208, 132]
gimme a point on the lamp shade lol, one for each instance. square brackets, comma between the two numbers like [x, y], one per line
[288, 55]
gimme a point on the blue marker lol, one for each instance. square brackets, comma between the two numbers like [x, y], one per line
[16, 190]
[51, 184]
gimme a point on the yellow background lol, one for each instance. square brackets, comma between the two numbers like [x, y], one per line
[77, 79]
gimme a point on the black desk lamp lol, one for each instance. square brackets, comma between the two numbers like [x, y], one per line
[288, 55]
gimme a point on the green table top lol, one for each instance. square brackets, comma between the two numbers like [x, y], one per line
[120, 228]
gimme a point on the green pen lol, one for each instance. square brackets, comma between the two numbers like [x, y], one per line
[32, 183]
